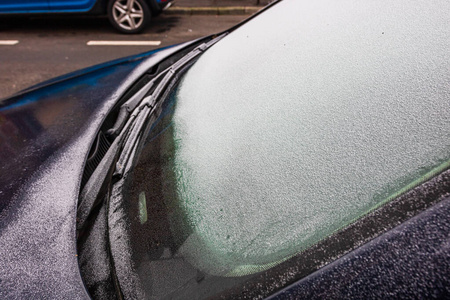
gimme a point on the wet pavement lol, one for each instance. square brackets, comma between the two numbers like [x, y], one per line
[40, 48]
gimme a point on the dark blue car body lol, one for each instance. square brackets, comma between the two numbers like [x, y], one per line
[36, 143]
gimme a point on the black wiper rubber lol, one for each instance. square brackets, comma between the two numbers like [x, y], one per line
[131, 140]
[127, 130]
[131, 104]
[147, 105]
[127, 108]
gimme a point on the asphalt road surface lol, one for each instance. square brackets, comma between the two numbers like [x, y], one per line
[36, 49]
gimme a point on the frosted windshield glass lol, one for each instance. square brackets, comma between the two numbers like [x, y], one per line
[322, 121]
[275, 152]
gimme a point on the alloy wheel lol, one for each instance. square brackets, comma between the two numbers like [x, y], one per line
[128, 14]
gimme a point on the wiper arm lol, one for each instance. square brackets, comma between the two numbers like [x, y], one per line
[133, 116]
[132, 103]
[151, 105]
[128, 107]
[98, 182]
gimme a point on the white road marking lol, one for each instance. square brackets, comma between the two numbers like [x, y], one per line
[8, 42]
[123, 43]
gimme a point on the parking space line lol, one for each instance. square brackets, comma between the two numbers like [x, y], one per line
[8, 42]
[123, 43]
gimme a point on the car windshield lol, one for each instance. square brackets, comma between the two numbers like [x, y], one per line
[263, 152]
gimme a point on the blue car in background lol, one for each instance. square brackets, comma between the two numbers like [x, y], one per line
[127, 16]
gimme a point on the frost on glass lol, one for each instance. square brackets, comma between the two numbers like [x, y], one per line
[276, 148]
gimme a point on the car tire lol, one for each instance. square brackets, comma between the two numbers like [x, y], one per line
[129, 16]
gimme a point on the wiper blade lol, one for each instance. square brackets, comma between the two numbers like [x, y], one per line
[149, 105]
[134, 114]
[133, 137]
[132, 103]
[129, 106]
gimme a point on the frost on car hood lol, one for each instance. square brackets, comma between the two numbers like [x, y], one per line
[327, 114]
[47, 135]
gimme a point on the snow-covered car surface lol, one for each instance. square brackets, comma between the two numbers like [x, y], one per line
[302, 154]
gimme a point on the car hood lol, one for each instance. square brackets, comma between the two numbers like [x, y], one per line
[46, 133]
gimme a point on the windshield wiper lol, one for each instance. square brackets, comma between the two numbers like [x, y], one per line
[151, 105]
[134, 114]
[167, 76]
